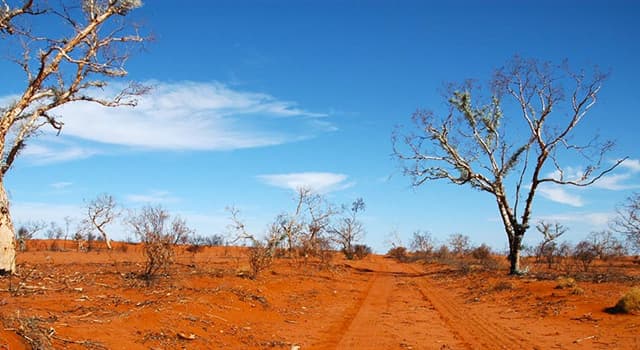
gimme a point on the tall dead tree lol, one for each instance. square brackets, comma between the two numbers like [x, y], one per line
[101, 212]
[68, 51]
[510, 142]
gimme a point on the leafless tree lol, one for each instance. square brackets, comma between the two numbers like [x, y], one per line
[290, 226]
[261, 251]
[550, 232]
[627, 220]
[606, 244]
[422, 242]
[101, 212]
[318, 217]
[27, 231]
[509, 143]
[459, 243]
[349, 229]
[68, 51]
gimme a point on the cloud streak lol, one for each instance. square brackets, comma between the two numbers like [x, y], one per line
[318, 182]
[151, 197]
[193, 116]
[597, 219]
[558, 194]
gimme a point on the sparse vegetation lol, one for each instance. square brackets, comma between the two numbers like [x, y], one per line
[566, 283]
[585, 254]
[630, 302]
[158, 235]
[349, 229]
[398, 253]
[627, 220]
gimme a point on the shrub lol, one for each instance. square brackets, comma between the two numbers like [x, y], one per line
[566, 282]
[361, 250]
[459, 244]
[442, 253]
[398, 253]
[422, 243]
[158, 236]
[481, 253]
[629, 303]
[502, 286]
[585, 253]
[260, 258]
[577, 291]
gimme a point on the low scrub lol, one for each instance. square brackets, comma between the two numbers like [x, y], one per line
[398, 253]
[629, 303]
[566, 283]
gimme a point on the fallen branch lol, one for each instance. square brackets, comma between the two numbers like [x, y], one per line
[583, 339]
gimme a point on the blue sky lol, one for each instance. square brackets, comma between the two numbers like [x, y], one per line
[254, 97]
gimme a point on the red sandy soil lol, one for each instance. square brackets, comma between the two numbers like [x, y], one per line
[79, 300]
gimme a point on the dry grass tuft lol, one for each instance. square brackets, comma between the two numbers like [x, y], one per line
[629, 303]
[566, 283]
[503, 286]
[577, 291]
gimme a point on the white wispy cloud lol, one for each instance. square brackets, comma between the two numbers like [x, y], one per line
[60, 185]
[46, 152]
[315, 181]
[558, 194]
[617, 182]
[632, 165]
[596, 219]
[193, 116]
[151, 197]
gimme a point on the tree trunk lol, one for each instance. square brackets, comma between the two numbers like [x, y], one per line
[7, 241]
[515, 246]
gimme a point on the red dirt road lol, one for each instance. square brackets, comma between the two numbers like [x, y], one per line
[93, 301]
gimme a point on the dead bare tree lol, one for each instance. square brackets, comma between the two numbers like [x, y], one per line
[511, 143]
[550, 231]
[261, 251]
[627, 220]
[69, 50]
[28, 230]
[315, 240]
[101, 212]
[349, 229]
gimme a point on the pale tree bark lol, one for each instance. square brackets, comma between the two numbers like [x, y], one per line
[101, 212]
[7, 241]
[59, 70]
[511, 142]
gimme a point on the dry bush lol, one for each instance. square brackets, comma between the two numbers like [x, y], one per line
[585, 254]
[260, 258]
[577, 291]
[361, 251]
[151, 226]
[566, 283]
[459, 244]
[502, 286]
[398, 253]
[629, 303]
[481, 253]
[422, 244]
[443, 254]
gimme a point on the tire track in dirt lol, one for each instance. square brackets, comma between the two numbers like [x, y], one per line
[392, 314]
[477, 331]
